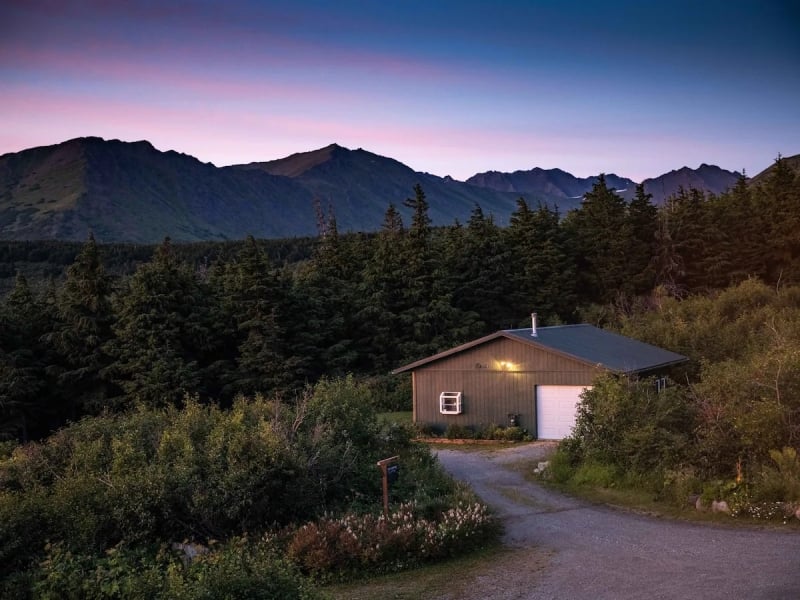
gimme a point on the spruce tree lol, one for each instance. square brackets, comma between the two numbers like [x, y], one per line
[26, 407]
[642, 220]
[82, 332]
[601, 232]
[543, 274]
[258, 301]
[161, 332]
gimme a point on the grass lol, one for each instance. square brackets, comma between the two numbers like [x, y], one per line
[642, 501]
[401, 418]
[477, 574]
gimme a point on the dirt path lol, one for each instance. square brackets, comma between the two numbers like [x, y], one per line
[596, 552]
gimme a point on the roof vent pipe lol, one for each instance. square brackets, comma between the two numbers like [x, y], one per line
[534, 333]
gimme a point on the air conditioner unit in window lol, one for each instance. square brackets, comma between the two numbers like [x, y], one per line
[450, 403]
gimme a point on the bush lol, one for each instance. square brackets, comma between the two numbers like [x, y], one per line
[595, 474]
[237, 569]
[350, 544]
[455, 431]
[680, 483]
[159, 475]
[561, 468]
[629, 425]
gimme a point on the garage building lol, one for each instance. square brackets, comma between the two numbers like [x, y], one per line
[532, 377]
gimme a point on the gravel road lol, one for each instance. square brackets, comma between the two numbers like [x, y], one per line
[596, 552]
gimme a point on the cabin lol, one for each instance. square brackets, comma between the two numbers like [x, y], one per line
[531, 378]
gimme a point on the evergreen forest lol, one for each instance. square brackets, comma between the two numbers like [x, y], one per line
[97, 328]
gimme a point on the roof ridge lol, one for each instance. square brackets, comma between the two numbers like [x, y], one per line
[565, 326]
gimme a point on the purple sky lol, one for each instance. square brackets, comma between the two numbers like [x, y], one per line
[632, 87]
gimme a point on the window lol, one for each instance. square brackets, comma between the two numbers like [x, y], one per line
[661, 384]
[450, 403]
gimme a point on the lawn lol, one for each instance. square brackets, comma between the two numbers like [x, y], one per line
[401, 418]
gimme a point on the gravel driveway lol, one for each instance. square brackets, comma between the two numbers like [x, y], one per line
[598, 552]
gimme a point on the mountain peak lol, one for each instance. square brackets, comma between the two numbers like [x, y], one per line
[297, 163]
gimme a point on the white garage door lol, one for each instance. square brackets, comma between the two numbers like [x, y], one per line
[555, 410]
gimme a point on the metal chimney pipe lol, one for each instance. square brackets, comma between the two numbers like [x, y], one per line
[534, 333]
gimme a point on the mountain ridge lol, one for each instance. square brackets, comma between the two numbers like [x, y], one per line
[133, 192]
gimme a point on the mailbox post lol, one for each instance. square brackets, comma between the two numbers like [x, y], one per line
[384, 466]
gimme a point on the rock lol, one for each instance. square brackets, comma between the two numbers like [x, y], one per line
[541, 468]
[720, 506]
[698, 504]
[190, 550]
[797, 512]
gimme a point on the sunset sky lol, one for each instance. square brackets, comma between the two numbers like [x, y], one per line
[633, 87]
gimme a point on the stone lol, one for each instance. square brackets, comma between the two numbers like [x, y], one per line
[698, 504]
[190, 551]
[720, 506]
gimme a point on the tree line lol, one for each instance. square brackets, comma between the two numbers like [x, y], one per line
[243, 322]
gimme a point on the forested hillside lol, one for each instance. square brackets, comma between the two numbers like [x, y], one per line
[217, 321]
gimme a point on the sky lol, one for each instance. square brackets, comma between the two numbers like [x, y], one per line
[632, 87]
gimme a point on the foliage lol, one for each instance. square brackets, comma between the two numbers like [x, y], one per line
[239, 568]
[196, 472]
[630, 425]
[353, 543]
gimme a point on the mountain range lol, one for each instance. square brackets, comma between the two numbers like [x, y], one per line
[132, 192]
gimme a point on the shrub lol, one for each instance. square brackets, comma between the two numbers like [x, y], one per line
[350, 544]
[628, 424]
[155, 475]
[237, 569]
[595, 474]
[455, 431]
[561, 468]
[680, 483]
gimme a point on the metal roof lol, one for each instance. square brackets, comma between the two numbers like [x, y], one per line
[586, 343]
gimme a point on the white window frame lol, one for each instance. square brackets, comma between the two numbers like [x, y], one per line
[661, 384]
[450, 403]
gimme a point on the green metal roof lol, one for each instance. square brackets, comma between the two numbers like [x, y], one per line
[586, 343]
[600, 347]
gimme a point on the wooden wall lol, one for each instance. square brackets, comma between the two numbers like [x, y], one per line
[495, 379]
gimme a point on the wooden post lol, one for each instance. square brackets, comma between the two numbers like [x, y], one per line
[384, 465]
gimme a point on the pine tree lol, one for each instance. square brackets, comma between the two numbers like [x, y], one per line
[543, 275]
[601, 232]
[430, 320]
[258, 300]
[642, 219]
[481, 272]
[82, 332]
[381, 291]
[26, 411]
[778, 199]
[161, 332]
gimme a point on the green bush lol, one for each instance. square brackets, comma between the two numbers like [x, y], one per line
[595, 474]
[390, 393]
[780, 481]
[561, 468]
[237, 569]
[631, 426]
[168, 474]
[455, 431]
[679, 484]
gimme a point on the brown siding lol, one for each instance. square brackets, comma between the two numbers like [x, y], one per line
[490, 391]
